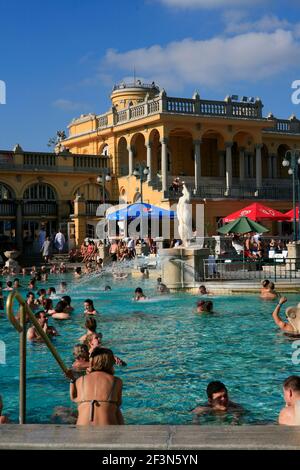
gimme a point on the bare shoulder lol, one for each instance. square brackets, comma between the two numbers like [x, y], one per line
[201, 410]
[286, 416]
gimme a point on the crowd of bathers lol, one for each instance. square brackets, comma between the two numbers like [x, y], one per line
[94, 387]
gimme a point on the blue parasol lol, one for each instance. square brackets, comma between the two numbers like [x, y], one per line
[142, 210]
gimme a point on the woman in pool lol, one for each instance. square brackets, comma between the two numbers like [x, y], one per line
[81, 356]
[268, 291]
[205, 306]
[91, 327]
[89, 308]
[139, 294]
[98, 394]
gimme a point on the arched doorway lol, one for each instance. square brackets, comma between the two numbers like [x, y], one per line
[39, 213]
[122, 157]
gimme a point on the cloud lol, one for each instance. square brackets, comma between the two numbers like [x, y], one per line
[209, 4]
[247, 57]
[267, 23]
[68, 105]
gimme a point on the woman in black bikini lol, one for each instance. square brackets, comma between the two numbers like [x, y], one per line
[98, 394]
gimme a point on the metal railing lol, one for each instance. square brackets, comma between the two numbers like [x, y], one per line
[248, 269]
[39, 208]
[20, 326]
[7, 208]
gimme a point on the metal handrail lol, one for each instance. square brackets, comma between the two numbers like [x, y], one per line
[20, 326]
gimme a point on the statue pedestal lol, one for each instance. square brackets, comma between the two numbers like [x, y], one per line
[294, 252]
[182, 267]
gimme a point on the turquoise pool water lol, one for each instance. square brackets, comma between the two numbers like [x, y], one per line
[171, 351]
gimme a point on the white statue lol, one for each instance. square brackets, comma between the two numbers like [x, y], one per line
[184, 215]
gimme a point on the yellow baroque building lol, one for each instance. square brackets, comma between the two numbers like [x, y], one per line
[228, 154]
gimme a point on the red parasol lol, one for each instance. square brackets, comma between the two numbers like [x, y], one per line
[257, 211]
[290, 214]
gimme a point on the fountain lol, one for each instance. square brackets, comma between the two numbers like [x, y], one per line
[11, 262]
[183, 266]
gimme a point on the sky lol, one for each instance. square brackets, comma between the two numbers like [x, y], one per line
[60, 59]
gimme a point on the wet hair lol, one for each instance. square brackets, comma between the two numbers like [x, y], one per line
[63, 283]
[265, 283]
[292, 382]
[78, 270]
[271, 285]
[208, 305]
[142, 270]
[29, 294]
[102, 359]
[202, 287]
[201, 303]
[52, 289]
[60, 306]
[90, 302]
[214, 387]
[107, 288]
[9, 284]
[32, 281]
[159, 279]
[91, 324]
[41, 292]
[67, 299]
[138, 290]
[81, 351]
[16, 280]
[38, 314]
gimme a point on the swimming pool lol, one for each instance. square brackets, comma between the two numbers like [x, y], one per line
[171, 352]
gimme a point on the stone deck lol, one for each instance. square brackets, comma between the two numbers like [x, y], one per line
[55, 437]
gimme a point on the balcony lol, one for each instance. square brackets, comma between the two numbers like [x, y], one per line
[40, 209]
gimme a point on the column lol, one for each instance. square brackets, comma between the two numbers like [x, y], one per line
[242, 163]
[19, 225]
[272, 166]
[258, 148]
[197, 153]
[130, 160]
[149, 160]
[164, 163]
[228, 172]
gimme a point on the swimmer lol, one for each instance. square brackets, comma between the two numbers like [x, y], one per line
[89, 308]
[48, 306]
[91, 327]
[81, 355]
[31, 301]
[95, 341]
[77, 272]
[290, 414]
[67, 299]
[3, 418]
[32, 284]
[203, 291]
[61, 312]
[144, 273]
[16, 284]
[139, 294]
[33, 335]
[161, 287]
[205, 306]
[98, 394]
[107, 288]
[218, 400]
[41, 296]
[63, 287]
[268, 290]
[292, 327]
[9, 286]
[51, 292]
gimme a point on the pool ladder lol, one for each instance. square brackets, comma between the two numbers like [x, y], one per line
[20, 326]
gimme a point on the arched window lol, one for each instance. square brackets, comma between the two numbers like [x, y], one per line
[39, 191]
[5, 192]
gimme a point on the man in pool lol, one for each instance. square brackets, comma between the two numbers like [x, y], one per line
[161, 287]
[32, 333]
[292, 327]
[218, 400]
[205, 306]
[290, 414]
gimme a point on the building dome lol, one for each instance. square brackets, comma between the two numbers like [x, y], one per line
[130, 94]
